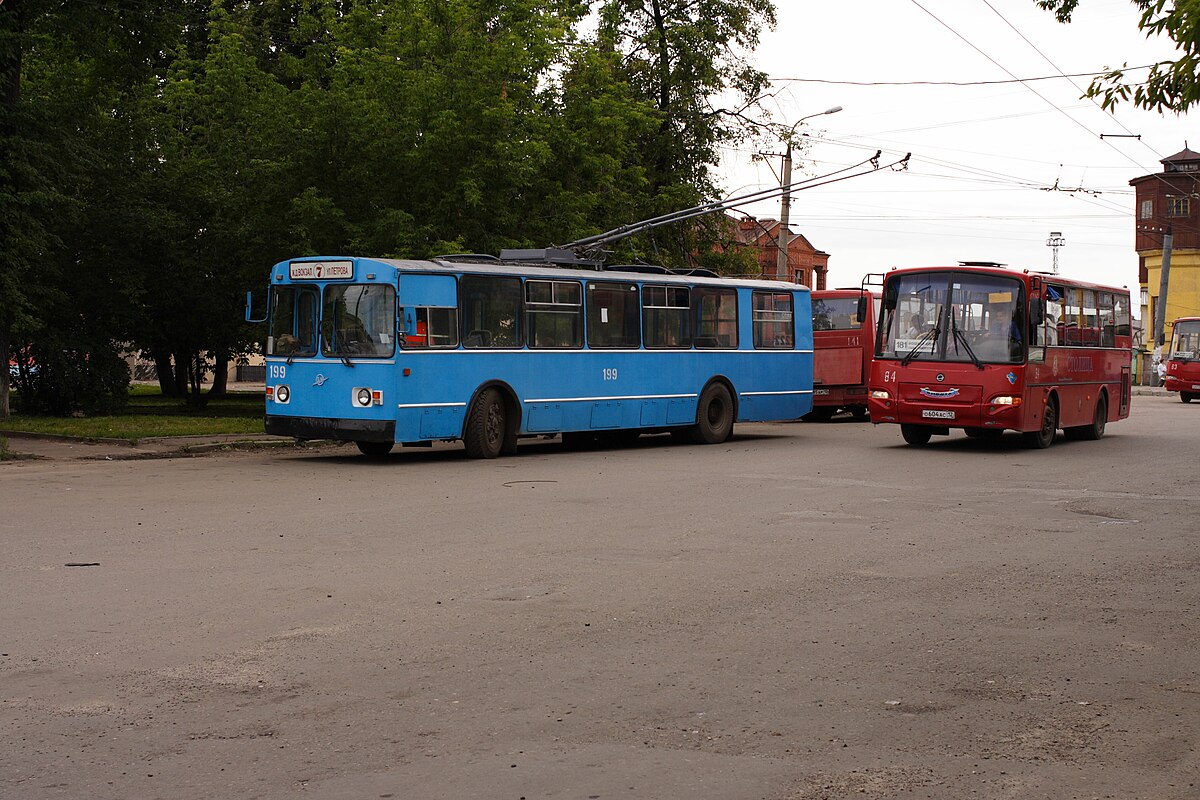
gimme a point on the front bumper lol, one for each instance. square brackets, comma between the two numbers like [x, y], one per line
[342, 430]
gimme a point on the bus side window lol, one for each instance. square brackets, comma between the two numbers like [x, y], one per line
[431, 327]
[491, 311]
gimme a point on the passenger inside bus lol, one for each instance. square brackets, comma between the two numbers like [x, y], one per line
[916, 326]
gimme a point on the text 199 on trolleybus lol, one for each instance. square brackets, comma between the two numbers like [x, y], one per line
[1183, 362]
[988, 349]
[486, 350]
[843, 343]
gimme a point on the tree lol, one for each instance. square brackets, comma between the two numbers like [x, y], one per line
[1171, 85]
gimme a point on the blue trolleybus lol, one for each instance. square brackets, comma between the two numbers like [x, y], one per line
[486, 350]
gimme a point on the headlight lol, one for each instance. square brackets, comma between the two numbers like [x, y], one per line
[880, 394]
[1006, 400]
[282, 394]
[362, 396]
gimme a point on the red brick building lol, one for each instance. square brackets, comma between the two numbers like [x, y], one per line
[805, 264]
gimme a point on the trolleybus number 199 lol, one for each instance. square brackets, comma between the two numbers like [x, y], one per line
[610, 373]
[277, 370]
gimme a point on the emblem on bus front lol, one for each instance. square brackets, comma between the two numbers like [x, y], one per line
[319, 380]
[939, 395]
[1012, 378]
[940, 377]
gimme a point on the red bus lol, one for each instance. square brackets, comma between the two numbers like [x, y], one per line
[1183, 362]
[988, 349]
[843, 341]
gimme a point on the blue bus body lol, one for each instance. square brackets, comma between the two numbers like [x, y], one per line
[423, 371]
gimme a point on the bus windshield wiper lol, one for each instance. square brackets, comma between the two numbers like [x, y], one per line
[959, 336]
[925, 337]
[337, 348]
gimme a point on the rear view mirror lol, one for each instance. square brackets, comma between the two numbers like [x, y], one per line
[253, 313]
[862, 308]
[1037, 311]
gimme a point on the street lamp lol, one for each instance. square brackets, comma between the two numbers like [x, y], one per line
[1056, 241]
[781, 241]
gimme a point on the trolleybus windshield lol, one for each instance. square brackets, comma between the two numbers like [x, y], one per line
[951, 316]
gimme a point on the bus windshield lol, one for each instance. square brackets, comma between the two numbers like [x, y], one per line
[293, 321]
[358, 320]
[952, 316]
[835, 314]
[1185, 341]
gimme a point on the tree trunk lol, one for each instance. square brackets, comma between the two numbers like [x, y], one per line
[10, 98]
[4, 409]
[166, 373]
[220, 384]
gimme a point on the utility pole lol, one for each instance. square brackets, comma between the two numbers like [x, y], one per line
[781, 240]
[1164, 280]
[1056, 241]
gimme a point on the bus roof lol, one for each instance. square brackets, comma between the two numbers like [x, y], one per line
[484, 265]
[1024, 275]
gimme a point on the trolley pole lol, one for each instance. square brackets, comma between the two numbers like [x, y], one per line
[1164, 280]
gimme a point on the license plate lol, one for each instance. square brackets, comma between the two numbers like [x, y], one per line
[1196, 385]
[820, 392]
[936, 413]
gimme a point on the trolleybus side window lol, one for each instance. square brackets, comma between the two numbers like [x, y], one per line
[774, 322]
[1121, 313]
[613, 315]
[836, 314]
[716, 317]
[1107, 319]
[554, 313]
[491, 311]
[358, 320]
[293, 326]
[433, 327]
[666, 316]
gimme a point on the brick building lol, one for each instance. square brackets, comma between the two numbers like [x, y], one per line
[805, 264]
[1169, 202]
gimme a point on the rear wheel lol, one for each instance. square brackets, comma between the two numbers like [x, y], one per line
[375, 449]
[487, 426]
[1096, 429]
[916, 434]
[1186, 396]
[1043, 437]
[714, 416]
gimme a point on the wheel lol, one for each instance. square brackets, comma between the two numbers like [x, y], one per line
[859, 412]
[916, 434]
[714, 416]
[1044, 436]
[1186, 396]
[487, 426]
[820, 414]
[375, 449]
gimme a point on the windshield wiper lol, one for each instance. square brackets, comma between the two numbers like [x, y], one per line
[925, 337]
[333, 341]
[959, 336]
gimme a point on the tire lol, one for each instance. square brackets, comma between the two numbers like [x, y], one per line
[375, 449]
[820, 414]
[487, 426]
[714, 416]
[1096, 430]
[1044, 436]
[1186, 396]
[916, 434]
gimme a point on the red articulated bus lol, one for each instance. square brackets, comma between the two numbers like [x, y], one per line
[1183, 362]
[843, 341]
[988, 349]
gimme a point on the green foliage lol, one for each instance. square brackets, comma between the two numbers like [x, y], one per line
[1170, 85]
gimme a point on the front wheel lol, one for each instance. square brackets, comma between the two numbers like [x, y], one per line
[916, 434]
[1186, 396]
[375, 449]
[487, 426]
[714, 416]
[1043, 437]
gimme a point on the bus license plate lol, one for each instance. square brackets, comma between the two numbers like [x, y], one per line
[820, 392]
[1196, 385]
[936, 413]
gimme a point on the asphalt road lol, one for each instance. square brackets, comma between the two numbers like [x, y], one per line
[808, 611]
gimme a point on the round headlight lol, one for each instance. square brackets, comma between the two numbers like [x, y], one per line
[364, 397]
[282, 394]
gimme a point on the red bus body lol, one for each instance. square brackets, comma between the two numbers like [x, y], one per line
[1183, 362]
[989, 349]
[842, 346]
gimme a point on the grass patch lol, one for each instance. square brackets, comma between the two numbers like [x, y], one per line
[149, 414]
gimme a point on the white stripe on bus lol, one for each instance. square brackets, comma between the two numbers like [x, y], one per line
[430, 405]
[600, 399]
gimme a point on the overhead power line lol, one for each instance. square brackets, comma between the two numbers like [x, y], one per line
[1060, 76]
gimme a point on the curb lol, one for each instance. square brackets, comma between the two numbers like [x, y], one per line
[60, 437]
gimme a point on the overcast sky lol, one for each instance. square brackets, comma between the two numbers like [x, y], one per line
[984, 157]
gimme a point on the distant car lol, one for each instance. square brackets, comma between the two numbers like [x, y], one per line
[14, 369]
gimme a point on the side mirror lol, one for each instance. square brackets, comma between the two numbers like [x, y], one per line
[890, 293]
[862, 308]
[1037, 311]
[250, 316]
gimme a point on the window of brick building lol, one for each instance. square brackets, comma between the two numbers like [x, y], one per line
[1179, 206]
